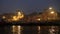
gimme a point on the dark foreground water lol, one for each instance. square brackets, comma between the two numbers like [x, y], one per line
[17, 29]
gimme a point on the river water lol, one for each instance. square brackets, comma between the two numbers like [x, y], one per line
[17, 29]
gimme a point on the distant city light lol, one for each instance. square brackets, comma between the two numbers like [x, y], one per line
[3, 17]
[15, 18]
[50, 8]
[18, 16]
[21, 16]
[19, 13]
[38, 19]
[52, 12]
[16, 29]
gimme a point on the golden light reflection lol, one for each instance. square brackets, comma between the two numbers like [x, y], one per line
[13, 28]
[51, 31]
[16, 29]
[38, 29]
[19, 29]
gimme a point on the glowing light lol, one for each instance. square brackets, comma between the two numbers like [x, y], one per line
[3, 17]
[51, 31]
[38, 19]
[52, 12]
[38, 29]
[19, 13]
[16, 29]
[13, 28]
[19, 29]
[50, 8]
[15, 18]
[21, 16]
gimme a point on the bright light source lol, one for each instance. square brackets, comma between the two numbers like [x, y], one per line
[3, 17]
[38, 19]
[15, 18]
[19, 13]
[52, 12]
[50, 8]
[22, 16]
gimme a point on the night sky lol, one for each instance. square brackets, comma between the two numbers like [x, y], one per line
[28, 6]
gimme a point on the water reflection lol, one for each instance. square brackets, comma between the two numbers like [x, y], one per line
[17, 29]
[38, 29]
[54, 30]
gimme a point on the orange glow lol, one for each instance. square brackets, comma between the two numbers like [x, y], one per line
[16, 29]
[21, 16]
[18, 16]
[15, 18]
[19, 29]
[19, 13]
[52, 12]
[38, 19]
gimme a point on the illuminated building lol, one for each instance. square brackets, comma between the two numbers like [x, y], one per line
[9, 17]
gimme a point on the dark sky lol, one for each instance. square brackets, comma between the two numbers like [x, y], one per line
[28, 6]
